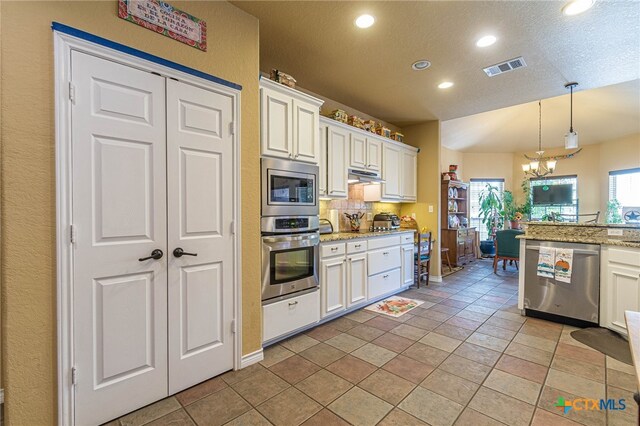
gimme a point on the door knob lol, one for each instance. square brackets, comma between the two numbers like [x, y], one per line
[179, 253]
[156, 254]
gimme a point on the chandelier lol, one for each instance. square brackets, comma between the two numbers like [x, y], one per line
[540, 165]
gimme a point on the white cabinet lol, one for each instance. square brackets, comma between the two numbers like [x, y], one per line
[337, 162]
[365, 153]
[322, 163]
[391, 160]
[408, 173]
[619, 286]
[407, 265]
[356, 279]
[288, 315]
[289, 123]
[333, 279]
[384, 283]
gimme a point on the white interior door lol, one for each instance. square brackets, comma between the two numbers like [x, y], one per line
[200, 199]
[119, 216]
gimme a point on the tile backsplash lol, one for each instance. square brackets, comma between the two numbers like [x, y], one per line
[354, 204]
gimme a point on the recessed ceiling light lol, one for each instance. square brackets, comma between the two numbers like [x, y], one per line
[420, 65]
[486, 41]
[575, 7]
[445, 85]
[365, 21]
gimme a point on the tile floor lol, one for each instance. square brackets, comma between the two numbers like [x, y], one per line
[465, 357]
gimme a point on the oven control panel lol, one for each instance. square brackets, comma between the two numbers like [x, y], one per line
[289, 224]
[292, 223]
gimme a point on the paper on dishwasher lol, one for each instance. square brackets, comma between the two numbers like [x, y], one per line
[546, 262]
[564, 264]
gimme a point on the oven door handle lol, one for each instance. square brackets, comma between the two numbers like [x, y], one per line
[291, 238]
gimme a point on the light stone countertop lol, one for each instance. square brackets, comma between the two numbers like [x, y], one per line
[585, 225]
[585, 240]
[342, 236]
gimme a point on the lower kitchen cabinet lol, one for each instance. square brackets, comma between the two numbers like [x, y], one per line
[384, 283]
[288, 315]
[408, 264]
[356, 279]
[333, 277]
[619, 286]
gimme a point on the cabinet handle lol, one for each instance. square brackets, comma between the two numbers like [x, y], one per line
[385, 253]
[290, 155]
[293, 303]
[385, 276]
[357, 246]
[334, 248]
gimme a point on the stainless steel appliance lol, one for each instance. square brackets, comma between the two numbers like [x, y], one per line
[386, 221]
[289, 188]
[362, 176]
[290, 256]
[576, 303]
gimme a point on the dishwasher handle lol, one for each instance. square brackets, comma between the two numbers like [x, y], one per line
[575, 251]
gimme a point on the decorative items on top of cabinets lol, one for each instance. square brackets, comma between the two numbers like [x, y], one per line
[289, 123]
[619, 285]
[337, 162]
[365, 153]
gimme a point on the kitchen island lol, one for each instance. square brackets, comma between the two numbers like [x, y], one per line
[614, 248]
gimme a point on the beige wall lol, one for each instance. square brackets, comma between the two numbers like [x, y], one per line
[448, 157]
[483, 166]
[426, 136]
[28, 174]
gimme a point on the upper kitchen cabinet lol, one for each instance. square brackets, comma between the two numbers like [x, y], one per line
[322, 179]
[409, 172]
[399, 170]
[365, 153]
[337, 162]
[289, 123]
[391, 172]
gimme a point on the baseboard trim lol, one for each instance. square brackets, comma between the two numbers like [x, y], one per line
[436, 278]
[251, 358]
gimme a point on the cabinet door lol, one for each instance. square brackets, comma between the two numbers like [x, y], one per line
[322, 162]
[391, 159]
[622, 294]
[408, 173]
[358, 151]
[356, 279]
[276, 127]
[374, 154]
[306, 145]
[407, 265]
[337, 142]
[333, 285]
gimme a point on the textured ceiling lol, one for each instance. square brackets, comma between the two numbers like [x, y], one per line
[599, 115]
[369, 69]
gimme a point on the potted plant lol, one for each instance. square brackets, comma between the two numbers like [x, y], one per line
[491, 208]
[512, 211]
[613, 212]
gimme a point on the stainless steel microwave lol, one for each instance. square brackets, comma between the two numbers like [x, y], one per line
[289, 188]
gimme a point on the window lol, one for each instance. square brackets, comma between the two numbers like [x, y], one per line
[623, 187]
[542, 212]
[475, 189]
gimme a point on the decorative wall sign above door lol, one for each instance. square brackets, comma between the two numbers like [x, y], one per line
[161, 17]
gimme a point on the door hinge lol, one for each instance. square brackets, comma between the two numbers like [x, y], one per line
[233, 326]
[72, 93]
[72, 234]
[232, 128]
[233, 227]
[74, 376]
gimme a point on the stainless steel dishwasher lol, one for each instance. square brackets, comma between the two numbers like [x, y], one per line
[576, 303]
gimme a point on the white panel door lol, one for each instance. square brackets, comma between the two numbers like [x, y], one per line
[333, 285]
[391, 171]
[306, 118]
[337, 169]
[356, 279]
[276, 125]
[119, 216]
[200, 213]
[322, 162]
[409, 175]
[623, 294]
[408, 264]
[357, 151]
[374, 154]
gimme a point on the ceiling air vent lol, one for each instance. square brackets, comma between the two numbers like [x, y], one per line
[506, 66]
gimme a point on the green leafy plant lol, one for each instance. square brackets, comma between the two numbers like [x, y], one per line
[613, 211]
[526, 207]
[491, 209]
[510, 208]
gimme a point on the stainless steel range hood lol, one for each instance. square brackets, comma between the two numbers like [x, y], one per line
[361, 176]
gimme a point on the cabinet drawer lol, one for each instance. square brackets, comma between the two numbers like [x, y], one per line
[356, 246]
[384, 260]
[384, 283]
[406, 238]
[328, 250]
[288, 315]
[380, 242]
[625, 256]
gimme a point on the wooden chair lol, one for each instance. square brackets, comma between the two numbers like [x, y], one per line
[422, 258]
[444, 251]
[507, 248]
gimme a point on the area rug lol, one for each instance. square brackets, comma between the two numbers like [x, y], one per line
[605, 341]
[394, 306]
[446, 272]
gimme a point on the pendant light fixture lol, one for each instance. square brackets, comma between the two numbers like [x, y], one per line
[539, 166]
[571, 138]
